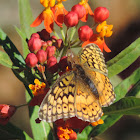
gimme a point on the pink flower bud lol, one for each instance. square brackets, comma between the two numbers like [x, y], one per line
[80, 10]
[35, 35]
[63, 63]
[53, 38]
[34, 44]
[50, 51]
[41, 56]
[44, 35]
[71, 19]
[52, 64]
[59, 43]
[85, 32]
[6, 112]
[44, 45]
[31, 60]
[49, 43]
[101, 14]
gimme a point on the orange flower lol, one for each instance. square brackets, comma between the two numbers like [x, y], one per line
[96, 39]
[38, 88]
[75, 123]
[88, 10]
[39, 91]
[48, 17]
[104, 29]
[66, 134]
[59, 12]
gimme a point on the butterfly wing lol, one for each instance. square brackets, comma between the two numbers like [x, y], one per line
[104, 88]
[59, 101]
[93, 63]
[88, 107]
[93, 58]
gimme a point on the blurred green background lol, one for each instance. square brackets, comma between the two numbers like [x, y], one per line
[124, 15]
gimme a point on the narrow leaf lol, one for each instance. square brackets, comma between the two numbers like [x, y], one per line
[122, 89]
[5, 60]
[26, 17]
[40, 131]
[124, 59]
[24, 43]
[125, 106]
[108, 122]
[10, 131]
[11, 50]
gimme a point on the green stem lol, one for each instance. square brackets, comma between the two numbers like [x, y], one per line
[77, 45]
[55, 33]
[66, 35]
[62, 33]
[22, 105]
[72, 32]
[44, 130]
[75, 41]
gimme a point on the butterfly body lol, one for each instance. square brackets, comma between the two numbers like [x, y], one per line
[80, 92]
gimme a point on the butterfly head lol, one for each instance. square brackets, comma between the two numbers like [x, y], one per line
[71, 58]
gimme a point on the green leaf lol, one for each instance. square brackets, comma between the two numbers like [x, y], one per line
[5, 60]
[26, 19]
[125, 106]
[135, 90]
[124, 58]
[84, 134]
[24, 43]
[40, 131]
[9, 131]
[11, 50]
[108, 122]
[122, 89]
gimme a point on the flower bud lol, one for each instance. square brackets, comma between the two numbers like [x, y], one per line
[52, 64]
[44, 35]
[53, 38]
[71, 19]
[50, 51]
[49, 43]
[63, 63]
[85, 32]
[41, 56]
[35, 35]
[101, 14]
[31, 60]
[73, 136]
[34, 44]
[6, 112]
[44, 45]
[80, 10]
[59, 43]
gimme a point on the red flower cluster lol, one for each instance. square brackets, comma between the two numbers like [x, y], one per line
[64, 128]
[43, 48]
[6, 112]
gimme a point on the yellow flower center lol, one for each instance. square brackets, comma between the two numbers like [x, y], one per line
[47, 3]
[104, 29]
[83, 2]
[38, 88]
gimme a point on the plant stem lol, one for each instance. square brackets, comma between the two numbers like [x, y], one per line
[55, 33]
[62, 33]
[22, 105]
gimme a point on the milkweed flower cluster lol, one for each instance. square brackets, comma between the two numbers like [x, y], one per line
[47, 57]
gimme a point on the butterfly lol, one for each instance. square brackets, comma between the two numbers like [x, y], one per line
[82, 91]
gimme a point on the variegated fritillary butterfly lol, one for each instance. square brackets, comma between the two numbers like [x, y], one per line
[82, 91]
